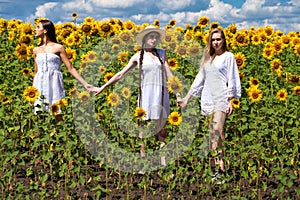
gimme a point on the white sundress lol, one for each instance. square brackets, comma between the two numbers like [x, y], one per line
[151, 87]
[215, 82]
[48, 80]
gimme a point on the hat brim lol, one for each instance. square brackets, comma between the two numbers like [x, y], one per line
[141, 35]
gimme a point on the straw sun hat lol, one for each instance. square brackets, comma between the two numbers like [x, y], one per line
[148, 29]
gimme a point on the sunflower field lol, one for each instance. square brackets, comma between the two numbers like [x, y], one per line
[85, 156]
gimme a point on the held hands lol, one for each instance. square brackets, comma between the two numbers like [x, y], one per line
[88, 87]
[91, 88]
[182, 102]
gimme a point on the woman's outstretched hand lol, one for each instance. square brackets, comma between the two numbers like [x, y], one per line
[182, 102]
[89, 88]
[97, 90]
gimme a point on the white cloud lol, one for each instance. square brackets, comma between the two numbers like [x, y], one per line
[115, 3]
[295, 2]
[78, 5]
[166, 5]
[43, 10]
[256, 13]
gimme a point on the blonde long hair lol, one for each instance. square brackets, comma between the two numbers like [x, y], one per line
[209, 51]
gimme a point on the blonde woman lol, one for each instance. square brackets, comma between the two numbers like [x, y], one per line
[216, 84]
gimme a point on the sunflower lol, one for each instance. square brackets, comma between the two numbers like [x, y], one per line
[278, 47]
[62, 102]
[129, 25]
[253, 82]
[85, 28]
[140, 113]
[242, 76]
[199, 36]
[175, 118]
[31, 94]
[295, 41]
[108, 76]
[99, 115]
[84, 65]
[106, 29]
[203, 21]
[241, 38]
[89, 20]
[296, 90]
[74, 15]
[278, 33]
[285, 39]
[26, 39]
[126, 93]
[22, 52]
[1, 94]
[71, 54]
[282, 95]
[27, 28]
[126, 37]
[256, 40]
[54, 108]
[269, 31]
[268, 53]
[65, 33]
[174, 85]
[235, 103]
[172, 22]
[115, 40]
[173, 63]
[11, 35]
[115, 47]
[113, 99]
[26, 71]
[91, 56]
[194, 49]
[123, 57]
[73, 92]
[70, 40]
[214, 25]
[105, 57]
[263, 37]
[294, 79]
[181, 51]
[276, 65]
[102, 69]
[5, 100]
[84, 96]
[156, 23]
[297, 49]
[240, 60]
[255, 94]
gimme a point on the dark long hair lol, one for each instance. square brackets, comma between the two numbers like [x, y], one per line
[141, 71]
[49, 26]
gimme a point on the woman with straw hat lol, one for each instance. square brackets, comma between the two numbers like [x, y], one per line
[153, 74]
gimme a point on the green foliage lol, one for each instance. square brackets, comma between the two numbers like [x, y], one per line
[42, 158]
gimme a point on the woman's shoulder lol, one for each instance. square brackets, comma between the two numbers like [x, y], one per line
[229, 54]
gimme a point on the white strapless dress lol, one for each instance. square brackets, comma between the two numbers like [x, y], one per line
[48, 80]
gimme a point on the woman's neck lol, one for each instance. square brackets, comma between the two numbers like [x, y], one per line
[149, 49]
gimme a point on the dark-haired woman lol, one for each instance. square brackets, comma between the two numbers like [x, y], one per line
[154, 72]
[48, 78]
[216, 84]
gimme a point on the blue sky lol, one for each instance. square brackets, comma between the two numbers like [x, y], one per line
[280, 14]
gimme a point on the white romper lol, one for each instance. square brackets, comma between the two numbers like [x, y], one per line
[215, 82]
